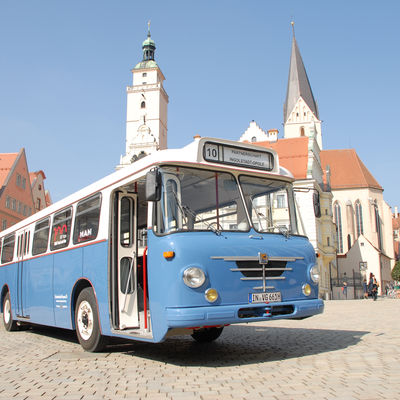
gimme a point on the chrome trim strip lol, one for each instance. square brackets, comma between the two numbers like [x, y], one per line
[254, 258]
[262, 287]
[272, 278]
[260, 269]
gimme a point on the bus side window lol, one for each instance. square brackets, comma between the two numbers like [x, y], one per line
[41, 237]
[7, 253]
[61, 229]
[87, 219]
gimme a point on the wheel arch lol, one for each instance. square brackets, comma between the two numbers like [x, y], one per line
[4, 291]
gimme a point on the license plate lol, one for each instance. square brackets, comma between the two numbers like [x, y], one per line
[265, 297]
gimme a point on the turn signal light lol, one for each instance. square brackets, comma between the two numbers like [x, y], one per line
[169, 254]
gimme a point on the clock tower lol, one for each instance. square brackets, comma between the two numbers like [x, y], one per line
[147, 105]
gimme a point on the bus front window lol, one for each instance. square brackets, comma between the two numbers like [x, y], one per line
[270, 204]
[196, 200]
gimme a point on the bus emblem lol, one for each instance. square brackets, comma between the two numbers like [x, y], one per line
[263, 258]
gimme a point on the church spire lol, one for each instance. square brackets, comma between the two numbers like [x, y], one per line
[298, 84]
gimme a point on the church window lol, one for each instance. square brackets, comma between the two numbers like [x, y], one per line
[339, 228]
[143, 104]
[378, 222]
[302, 131]
[253, 139]
[359, 219]
[348, 242]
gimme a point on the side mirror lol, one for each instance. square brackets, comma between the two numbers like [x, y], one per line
[153, 185]
[317, 205]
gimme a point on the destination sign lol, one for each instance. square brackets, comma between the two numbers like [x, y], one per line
[239, 156]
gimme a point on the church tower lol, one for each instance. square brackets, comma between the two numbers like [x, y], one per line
[300, 111]
[147, 105]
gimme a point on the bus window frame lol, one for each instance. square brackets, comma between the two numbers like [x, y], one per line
[154, 222]
[2, 248]
[68, 239]
[75, 235]
[34, 253]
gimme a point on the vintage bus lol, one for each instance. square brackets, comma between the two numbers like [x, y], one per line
[182, 241]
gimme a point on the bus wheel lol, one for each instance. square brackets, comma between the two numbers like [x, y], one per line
[207, 335]
[8, 322]
[87, 322]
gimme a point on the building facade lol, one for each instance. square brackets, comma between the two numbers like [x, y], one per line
[16, 200]
[363, 218]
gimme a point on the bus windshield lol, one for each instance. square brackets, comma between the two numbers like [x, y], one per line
[195, 199]
[270, 204]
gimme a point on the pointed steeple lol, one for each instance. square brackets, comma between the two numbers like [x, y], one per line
[298, 84]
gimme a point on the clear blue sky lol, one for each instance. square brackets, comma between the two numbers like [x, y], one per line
[65, 65]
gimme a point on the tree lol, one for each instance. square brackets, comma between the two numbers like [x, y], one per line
[396, 271]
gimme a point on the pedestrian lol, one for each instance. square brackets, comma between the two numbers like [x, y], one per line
[373, 286]
[344, 289]
[365, 288]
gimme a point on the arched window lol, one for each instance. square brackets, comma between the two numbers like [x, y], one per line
[302, 131]
[253, 139]
[359, 219]
[338, 222]
[378, 223]
[143, 104]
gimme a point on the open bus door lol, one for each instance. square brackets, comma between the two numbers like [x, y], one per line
[124, 269]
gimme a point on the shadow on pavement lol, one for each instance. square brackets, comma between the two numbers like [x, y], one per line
[238, 345]
[244, 345]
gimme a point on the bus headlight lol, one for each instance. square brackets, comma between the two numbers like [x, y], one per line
[193, 277]
[314, 273]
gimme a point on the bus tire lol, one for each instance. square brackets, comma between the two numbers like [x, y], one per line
[87, 322]
[206, 335]
[9, 324]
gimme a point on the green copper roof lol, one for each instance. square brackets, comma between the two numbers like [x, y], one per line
[149, 42]
[146, 64]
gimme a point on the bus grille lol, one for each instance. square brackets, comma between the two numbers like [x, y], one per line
[252, 270]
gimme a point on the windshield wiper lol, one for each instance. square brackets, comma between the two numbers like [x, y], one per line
[186, 210]
[282, 229]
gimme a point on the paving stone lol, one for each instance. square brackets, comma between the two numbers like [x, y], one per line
[349, 352]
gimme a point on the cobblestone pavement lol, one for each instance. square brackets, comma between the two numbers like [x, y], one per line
[352, 351]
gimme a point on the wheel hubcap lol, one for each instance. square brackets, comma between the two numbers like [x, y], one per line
[85, 320]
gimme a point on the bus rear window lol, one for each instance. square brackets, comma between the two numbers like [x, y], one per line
[41, 237]
[61, 229]
[87, 219]
[7, 253]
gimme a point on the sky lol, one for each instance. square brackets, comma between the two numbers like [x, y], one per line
[65, 65]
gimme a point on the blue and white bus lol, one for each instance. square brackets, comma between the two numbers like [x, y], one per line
[182, 241]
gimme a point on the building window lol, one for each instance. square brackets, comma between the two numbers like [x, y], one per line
[302, 133]
[144, 74]
[378, 223]
[14, 204]
[4, 224]
[143, 104]
[18, 180]
[38, 204]
[280, 201]
[23, 183]
[359, 219]
[253, 139]
[8, 202]
[328, 242]
[338, 222]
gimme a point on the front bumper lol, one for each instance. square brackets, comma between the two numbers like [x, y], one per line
[185, 317]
